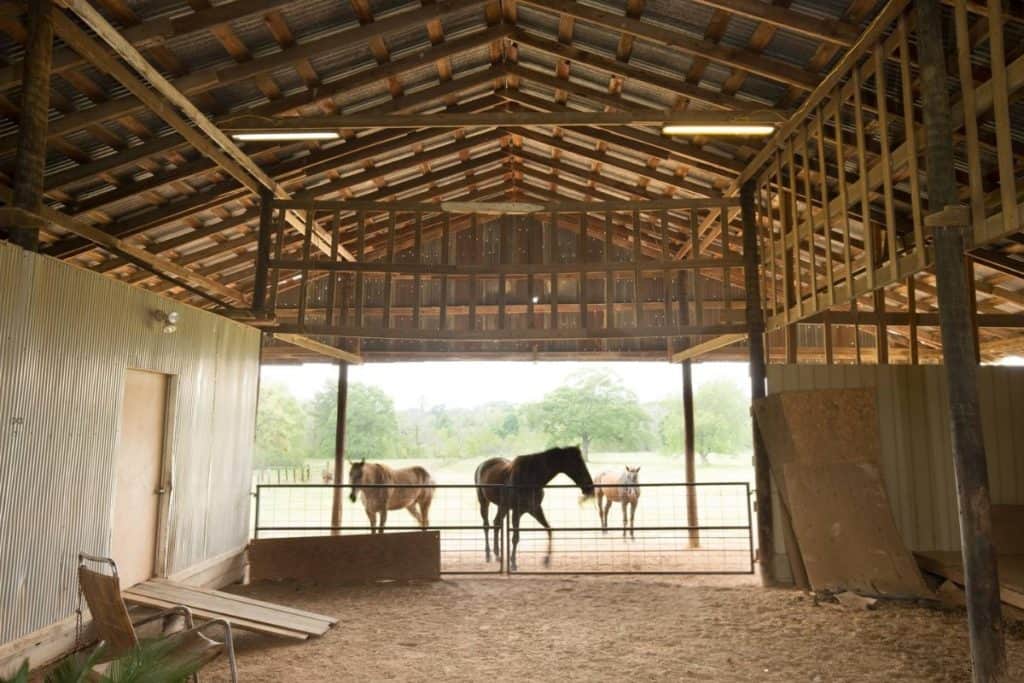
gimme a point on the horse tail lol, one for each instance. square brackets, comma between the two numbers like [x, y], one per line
[427, 482]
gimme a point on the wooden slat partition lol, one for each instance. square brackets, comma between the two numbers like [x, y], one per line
[534, 289]
[840, 186]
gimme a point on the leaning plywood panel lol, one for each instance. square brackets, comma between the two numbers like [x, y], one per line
[823, 448]
[408, 556]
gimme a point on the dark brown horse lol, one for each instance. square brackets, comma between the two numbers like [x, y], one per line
[517, 486]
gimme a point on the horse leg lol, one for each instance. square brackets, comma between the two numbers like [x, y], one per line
[425, 514]
[632, 519]
[499, 524]
[372, 516]
[383, 517]
[599, 499]
[625, 521]
[604, 514]
[538, 514]
[484, 505]
[516, 515]
[415, 514]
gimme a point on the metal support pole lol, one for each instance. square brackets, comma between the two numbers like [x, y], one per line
[260, 278]
[755, 332]
[984, 618]
[339, 447]
[30, 160]
[690, 451]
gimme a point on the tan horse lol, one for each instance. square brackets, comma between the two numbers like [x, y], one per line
[371, 481]
[618, 487]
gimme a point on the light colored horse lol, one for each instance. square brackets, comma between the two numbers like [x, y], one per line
[370, 480]
[622, 487]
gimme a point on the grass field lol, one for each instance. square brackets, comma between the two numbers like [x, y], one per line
[659, 544]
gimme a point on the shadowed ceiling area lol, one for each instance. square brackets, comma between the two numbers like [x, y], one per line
[137, 187]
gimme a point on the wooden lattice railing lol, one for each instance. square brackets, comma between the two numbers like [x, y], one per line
[841, 190]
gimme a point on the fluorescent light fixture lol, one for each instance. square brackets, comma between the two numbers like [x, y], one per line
[287, 136]
[717, 129]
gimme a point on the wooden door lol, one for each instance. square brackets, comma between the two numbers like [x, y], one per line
[139, 465]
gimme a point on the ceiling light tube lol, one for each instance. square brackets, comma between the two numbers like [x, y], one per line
[288, 136]
[717, 129]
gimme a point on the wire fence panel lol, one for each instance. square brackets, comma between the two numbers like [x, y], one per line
[657, 538]
[662, 538]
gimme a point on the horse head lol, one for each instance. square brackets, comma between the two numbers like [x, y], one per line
[576, 469]
[355, 477]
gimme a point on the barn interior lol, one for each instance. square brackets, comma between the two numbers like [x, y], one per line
[830, 191]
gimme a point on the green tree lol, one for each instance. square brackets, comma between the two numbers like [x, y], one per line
[670, 427]
[323, 416]
[371, 426]
[280, 428]
[593, 406]
[721, 416]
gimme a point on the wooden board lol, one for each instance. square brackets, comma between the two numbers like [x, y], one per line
[950, 565]
[823, 448]
[243, 612]
[1007, 523]
[361, 558]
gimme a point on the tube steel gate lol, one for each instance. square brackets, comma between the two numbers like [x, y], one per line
[663, 539]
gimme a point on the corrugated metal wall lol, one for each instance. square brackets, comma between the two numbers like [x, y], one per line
[915, 438]
[66, 338]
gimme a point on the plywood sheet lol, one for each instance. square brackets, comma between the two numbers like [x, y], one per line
[823, 447]
[360, 558]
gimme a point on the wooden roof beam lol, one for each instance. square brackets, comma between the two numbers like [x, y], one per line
[625, 166]
[660, 146]
[568, 118]
[205, 136]
[614, 67]
[833, 31]
[677, 40]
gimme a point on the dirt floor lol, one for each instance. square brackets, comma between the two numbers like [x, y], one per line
[602, 628]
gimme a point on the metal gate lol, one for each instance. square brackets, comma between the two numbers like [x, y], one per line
[701, 528]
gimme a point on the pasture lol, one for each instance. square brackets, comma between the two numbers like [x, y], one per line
[661, 543]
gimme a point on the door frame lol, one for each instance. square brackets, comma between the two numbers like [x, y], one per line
[163, 511]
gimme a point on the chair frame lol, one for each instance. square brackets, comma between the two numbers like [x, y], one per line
[182, 610]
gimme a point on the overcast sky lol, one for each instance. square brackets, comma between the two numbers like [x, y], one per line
[465, 384]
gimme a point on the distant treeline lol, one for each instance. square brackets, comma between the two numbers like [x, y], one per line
[593, 409]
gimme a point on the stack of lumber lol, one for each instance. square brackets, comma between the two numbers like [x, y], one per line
[241, 612]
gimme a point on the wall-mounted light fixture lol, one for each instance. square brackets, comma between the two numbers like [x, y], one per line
[168, 320]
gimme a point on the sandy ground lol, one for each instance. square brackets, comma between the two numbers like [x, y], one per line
[580, 628]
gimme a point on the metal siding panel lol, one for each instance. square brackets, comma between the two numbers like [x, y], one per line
[68, 337]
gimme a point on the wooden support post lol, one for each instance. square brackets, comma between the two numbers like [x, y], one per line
[882, 330]
[755, 332]
[339, 447]
[912, 309]
[984, 616]
[259, 282]
[690, 453]
[827, 332]
[30, 160]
